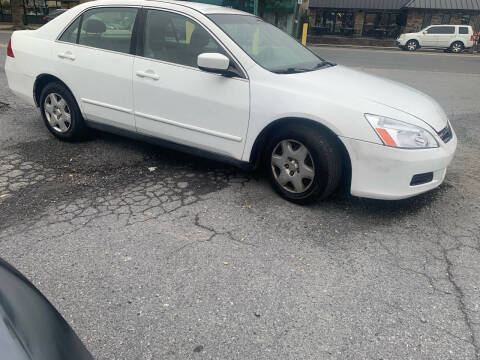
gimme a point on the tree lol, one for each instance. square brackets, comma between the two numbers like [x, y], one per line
[17, 14]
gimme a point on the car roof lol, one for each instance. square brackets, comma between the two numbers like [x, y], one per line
[447, 25]
[203, 8]
[200, 7]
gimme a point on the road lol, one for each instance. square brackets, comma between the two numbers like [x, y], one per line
[195, 259]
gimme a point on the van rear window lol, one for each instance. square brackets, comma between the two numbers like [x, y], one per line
[463, 30]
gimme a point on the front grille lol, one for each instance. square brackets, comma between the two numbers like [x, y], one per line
[420, 179]
[446, 133]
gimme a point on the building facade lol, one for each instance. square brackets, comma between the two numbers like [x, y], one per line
[386, 19]
[34, 10]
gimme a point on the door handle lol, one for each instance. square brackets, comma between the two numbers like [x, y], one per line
[148, 74]
[66, 55]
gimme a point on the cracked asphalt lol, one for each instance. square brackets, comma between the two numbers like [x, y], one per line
[153, 254]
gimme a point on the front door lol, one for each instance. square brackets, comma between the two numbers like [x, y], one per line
[175, 100]
[429, 37]
[94, 60]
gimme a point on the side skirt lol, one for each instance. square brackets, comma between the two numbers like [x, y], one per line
[244, 165]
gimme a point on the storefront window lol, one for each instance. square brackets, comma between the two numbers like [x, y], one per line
[5, 7]
[465, 20]
[427, 20]
[446, 19]
[335, 22]
[382, 25]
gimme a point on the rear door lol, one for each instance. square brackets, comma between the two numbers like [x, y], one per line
[175, 100]
[94, 60]
[445, 36]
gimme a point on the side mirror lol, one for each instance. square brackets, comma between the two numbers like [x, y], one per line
[213, 62]
[424, 32]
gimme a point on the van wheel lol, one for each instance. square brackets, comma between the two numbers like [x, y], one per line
[411, 45]
[457, 47]
[304, 164]
[61, 113]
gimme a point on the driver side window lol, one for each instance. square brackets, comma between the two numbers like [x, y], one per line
[176, 39]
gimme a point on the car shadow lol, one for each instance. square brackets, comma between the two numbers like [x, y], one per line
[341, 200]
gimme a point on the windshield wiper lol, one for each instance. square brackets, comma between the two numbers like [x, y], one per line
[290, 70]
[294, 70]
[323, 64]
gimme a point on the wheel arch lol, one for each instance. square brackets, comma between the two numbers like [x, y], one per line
[41, 81]
[258, 149]
[457, 41]
[414, 39]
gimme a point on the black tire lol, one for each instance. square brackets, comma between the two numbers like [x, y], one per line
[457, 47]
[411, 45]
[77, 128]
[324, 153]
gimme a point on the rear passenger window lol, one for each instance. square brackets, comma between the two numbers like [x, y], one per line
[70, 35]
[108, 28]
[175, 38]
[441, 30]
[463, 30]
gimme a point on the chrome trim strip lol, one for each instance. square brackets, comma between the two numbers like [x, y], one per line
[108, 106]
[189, 127]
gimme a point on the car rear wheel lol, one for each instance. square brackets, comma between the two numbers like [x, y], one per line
[60, 112]
[457, 47]
[304, 164]
[411, 45]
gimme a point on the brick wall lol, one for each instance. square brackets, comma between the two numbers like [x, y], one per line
[414, 20]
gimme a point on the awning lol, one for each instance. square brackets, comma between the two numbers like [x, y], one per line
[445, 4]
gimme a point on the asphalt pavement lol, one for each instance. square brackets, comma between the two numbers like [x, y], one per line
[153, 254]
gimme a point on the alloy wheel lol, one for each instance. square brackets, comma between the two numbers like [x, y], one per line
[57, 113]
[292, 166]
[411, 45]
[456, 48]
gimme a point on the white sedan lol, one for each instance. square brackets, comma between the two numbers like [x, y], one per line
[223, 83]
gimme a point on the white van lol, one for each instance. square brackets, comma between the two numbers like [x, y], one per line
[454, 38]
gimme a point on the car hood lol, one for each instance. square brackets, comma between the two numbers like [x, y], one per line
[344, 84]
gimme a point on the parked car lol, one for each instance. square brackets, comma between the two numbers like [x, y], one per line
[454, 38]
[53, 15]
[225, 84]
[30, 327]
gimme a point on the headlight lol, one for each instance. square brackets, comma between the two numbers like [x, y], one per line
[399, 134]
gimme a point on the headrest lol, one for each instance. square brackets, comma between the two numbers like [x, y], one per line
[199, 38]
[95, 26]
[156, 37]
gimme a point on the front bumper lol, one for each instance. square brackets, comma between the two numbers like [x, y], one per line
[382, 172]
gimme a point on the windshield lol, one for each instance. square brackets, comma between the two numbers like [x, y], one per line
[267, 45]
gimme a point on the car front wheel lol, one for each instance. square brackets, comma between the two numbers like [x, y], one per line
[304, 164]
[60, 112]
[412, 45]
